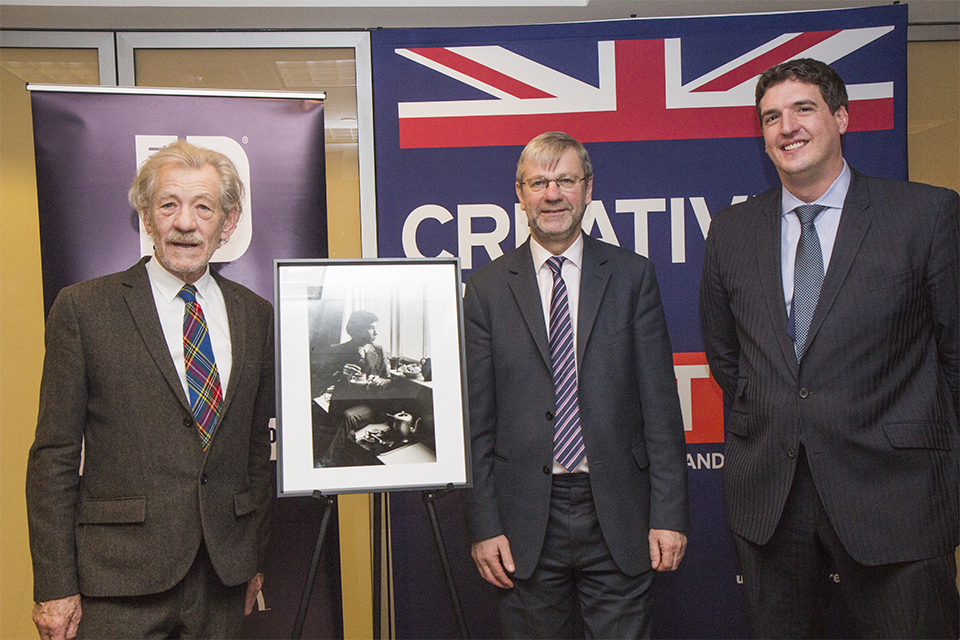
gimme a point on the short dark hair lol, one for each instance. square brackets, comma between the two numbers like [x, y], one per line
[810, 71]
[358, 323]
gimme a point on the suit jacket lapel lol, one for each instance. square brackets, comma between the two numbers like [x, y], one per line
[238, 328]
[139, 298]
[523, 285]
[771, 275]
[854, 222]
[593, 282]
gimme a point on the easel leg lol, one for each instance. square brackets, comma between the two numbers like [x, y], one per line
[429, 497]
[326, 502]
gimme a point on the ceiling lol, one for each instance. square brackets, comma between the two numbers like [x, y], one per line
[112, 15]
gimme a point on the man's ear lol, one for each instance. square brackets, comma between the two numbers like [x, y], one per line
[843, 119]
[229, 225]
[147, 221]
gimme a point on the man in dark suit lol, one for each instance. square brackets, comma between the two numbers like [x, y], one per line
[164, 532]
[580, 487]
[841, 445]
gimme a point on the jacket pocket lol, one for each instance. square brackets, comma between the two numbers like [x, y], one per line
[886, 280]
[740, 399]
[640, 453]
[244, 503]
[112, 511]
[917, 435]
[614, 337]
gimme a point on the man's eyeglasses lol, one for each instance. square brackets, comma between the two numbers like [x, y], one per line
[564, 183]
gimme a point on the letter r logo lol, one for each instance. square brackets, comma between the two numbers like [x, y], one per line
[240, 240]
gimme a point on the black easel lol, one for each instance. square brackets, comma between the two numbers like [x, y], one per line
[326, 502]
[429, 497]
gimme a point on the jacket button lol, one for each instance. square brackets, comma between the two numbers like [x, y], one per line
[792, 453]
[549, 415]
[547, 470]
[804, 393]
[203, 478]
[188, 422]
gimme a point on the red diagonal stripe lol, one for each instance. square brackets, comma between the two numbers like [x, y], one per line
[787, 51]
[482, 73]
[641, 114]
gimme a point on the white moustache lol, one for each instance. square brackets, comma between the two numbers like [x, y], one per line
[184, 238]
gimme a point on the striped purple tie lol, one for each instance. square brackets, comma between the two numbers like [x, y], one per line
[567, 440]
[203, 380]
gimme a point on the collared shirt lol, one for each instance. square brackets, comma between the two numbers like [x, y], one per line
[570, 272]
[826, 223]
[170, 308]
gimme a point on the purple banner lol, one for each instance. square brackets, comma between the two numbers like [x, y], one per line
[88, 148]
[666, 109]
[89, 144]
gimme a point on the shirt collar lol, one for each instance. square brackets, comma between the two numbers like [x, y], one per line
[574, 253]
[833, 197]
[169, 285]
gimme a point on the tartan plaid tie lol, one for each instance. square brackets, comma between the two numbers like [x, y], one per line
[568, 447]
[807, 274]
[203, 380]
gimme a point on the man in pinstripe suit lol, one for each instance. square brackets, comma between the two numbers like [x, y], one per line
[844, 457]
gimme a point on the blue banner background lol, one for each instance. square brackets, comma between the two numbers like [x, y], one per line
[704, 161]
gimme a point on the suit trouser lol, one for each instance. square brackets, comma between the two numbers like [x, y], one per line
[787, 580]
[576, 571]
[199, 606]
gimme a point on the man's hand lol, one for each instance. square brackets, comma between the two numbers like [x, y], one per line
[253, 589]
[58, 619]
[666, 549]
[492, 556]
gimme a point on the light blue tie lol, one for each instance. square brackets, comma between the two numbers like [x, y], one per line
[568, 447]
[807, 274]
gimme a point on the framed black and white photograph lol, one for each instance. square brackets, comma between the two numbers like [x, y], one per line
[370, 376]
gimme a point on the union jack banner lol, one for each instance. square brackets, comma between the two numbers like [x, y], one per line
[666, 109]
[640, 93]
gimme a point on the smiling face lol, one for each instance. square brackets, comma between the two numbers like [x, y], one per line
[802, 137]
[186, 221]
[554, 215]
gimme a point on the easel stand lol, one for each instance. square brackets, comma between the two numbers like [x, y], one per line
[429, 497]
[326, 502]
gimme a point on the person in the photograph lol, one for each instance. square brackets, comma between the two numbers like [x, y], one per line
[830, 319]
[358, 363]
[580, 487]
[359, 358]
[163, 375]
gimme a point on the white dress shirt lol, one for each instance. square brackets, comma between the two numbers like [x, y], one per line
[826, 224]
[570, 272]
[170, 308]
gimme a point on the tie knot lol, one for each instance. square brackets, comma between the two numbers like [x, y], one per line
[188, 293]
[555, 263]
[807, 213]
